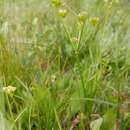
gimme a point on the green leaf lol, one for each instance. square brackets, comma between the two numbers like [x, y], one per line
[5, 29]
[4, 123]
[109, 118]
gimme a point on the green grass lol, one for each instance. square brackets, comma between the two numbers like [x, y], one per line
[64, 65]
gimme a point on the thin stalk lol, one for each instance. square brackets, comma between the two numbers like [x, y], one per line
[80, 36]
[69, 37]
[57, 119]
[70, 9]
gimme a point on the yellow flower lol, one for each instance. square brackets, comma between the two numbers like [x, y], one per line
[9, 89]
[94, 20]
[83, 16]
[75, 40]
[56, 3]
[117, 1]
[63, 12]
[53, 78]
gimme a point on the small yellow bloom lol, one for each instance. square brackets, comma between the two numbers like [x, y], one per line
[75, 40]
[83, 16]
[56, 3]
[53, 78]
[9, 89]
[94, 20]
[63, 13]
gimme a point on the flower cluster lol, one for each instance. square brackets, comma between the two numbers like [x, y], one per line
[82, 16]
[9, 89]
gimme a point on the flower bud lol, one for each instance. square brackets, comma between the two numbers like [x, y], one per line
[94, 21]
[62, 13]
[9, 89]
[53, 78]
[82, 16]
[56, 3]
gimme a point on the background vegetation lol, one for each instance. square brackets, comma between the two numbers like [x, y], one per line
[64, 65]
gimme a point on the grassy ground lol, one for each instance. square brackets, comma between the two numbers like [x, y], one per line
[64, 65]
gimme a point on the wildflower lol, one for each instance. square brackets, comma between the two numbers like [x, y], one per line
[53, 78]
[110, 5]
[94, 21]
[83, 16]
[63, 13]
[9, 89]
[75, 40]
[56, 3]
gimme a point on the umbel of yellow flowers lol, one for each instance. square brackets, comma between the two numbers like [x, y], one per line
[62, 13]
[83, 16]
[9, 89]
[94, 20]
[56, 3]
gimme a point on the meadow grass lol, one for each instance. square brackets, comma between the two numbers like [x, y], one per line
[64, 65]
